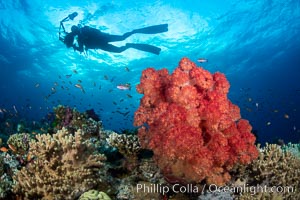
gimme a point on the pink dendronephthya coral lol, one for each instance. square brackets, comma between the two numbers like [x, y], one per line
[194, 130]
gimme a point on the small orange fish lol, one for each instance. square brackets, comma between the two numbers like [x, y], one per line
[4, 149]
[29, 158]
[12, 147]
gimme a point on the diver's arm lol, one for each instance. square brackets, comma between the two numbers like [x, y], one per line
[60, 32]
[78, 47]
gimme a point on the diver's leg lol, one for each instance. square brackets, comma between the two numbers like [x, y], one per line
[141, 47]
[106, 38]
[112, 48]
[144, 47]
[114, 38]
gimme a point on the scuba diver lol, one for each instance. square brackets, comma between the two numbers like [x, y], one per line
[91, 38]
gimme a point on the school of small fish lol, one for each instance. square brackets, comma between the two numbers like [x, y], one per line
[66, 82]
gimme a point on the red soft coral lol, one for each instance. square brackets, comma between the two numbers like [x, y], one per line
[193, 129]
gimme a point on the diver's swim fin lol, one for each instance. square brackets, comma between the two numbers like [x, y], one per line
[152, 29]
[144, 47]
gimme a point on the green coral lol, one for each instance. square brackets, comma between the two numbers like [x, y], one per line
[94, 195]
[19, 142]
[293, 149]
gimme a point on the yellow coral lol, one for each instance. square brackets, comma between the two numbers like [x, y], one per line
[64, 166]
[94, 195]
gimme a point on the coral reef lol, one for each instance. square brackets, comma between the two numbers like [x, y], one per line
[127, 145]
[74, 120]
[94, 195]
[149, 171]
[273, 168]
[1, 165]
[19, 143]
[5, 186]
[63, 167]
[216, 196]
[5, 180]
[186, 119]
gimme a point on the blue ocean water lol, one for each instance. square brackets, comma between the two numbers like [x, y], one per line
[254, 43]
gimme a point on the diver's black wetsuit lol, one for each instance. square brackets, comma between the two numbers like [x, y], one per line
[91, 38]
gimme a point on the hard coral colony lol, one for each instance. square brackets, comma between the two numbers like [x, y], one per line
[186, 119]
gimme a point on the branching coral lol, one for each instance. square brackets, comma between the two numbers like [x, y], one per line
[64, 166]
[193, 129]
[293, 149]
[128, 146]
[273, 168]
